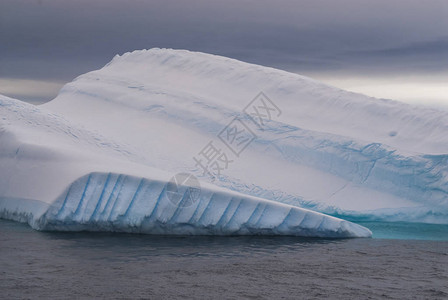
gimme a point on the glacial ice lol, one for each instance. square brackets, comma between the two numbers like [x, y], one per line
[121, 203]
[47, 181]
[144, 116]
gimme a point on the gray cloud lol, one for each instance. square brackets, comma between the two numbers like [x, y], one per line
[51, 39]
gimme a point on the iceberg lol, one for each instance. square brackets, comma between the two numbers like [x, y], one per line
[310, 157]
[48, 182]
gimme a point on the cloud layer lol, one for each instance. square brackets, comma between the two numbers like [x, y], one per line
[58, 40]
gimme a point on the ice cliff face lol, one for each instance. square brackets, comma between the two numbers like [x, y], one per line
[151, 114]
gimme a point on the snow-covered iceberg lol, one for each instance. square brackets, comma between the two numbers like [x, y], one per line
[101, 154]
[58, 176]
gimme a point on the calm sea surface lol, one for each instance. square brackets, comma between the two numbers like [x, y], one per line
[402, 261]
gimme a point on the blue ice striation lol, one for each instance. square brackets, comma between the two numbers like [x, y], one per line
[123, 203]
[98, 156]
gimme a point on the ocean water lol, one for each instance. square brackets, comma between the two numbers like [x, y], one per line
[402, 261]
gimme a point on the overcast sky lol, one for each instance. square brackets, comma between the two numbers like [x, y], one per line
[384, 48]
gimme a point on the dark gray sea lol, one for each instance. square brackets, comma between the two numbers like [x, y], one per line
[52, 265]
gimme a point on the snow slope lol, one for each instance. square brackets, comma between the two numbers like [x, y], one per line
[147, 114]
[330, 150]
[58, 176]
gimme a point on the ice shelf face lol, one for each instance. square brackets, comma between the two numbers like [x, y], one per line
[117, 202]
[148, 115]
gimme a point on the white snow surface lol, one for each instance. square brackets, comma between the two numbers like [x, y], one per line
[58, 176]
[99, 156]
